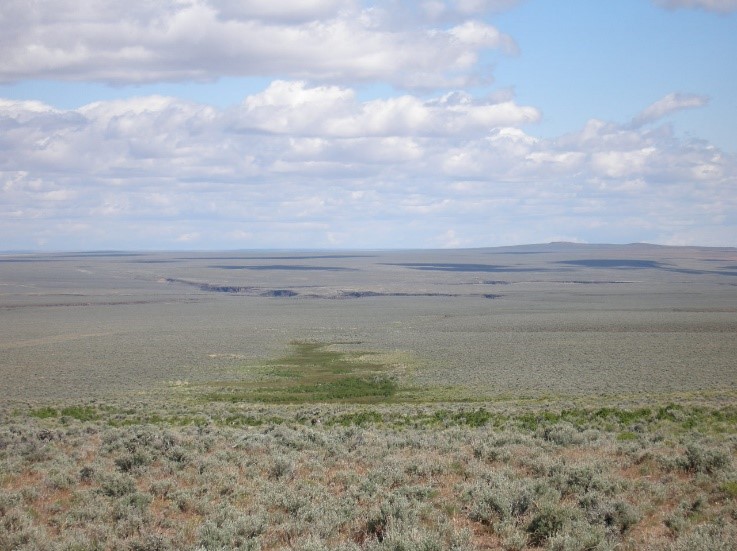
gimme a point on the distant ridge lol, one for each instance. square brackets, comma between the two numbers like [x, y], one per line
[570, 246]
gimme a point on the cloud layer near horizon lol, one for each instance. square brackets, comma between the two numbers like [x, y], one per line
[314, 166]
[307, 160]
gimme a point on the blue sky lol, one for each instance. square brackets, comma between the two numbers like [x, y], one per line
[223, 124]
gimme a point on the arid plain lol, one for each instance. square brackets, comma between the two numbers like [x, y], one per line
[557, 396]
[557, 319]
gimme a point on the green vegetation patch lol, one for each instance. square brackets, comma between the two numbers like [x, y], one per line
[475, 418]
[80, 413]
[314, 372]
[45, 413]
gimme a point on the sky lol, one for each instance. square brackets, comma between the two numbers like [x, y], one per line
[359, 124]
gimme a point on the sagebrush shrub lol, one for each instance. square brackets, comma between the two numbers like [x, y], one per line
[704, 460]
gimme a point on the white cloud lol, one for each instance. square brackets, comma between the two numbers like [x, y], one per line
[481, 6]
[450, 9]
[477, 34]
[188, 237]
[669, 104]
[17, 109]
[619, 164]
[449, 240]
[299, 165]
[141, 41]
[307, 158]
[294, 108]
[719, 6]
[283, 10]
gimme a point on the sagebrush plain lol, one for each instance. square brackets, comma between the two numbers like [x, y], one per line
[554, 396]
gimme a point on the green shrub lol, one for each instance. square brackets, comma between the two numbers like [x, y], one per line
[86, 473]
[563, 434]
[132, 461]
[44, 413]
[701, 460]
[359, 419]
[281, 467]
[151, 542]
[580, 536]
[676, 522]
[707, 537]
[617, 516]
[81, 413]
[499, 498]
[231, 530]
[178, 455]
[547, 522]
[116, 485]
[729, 488]
[476, 418]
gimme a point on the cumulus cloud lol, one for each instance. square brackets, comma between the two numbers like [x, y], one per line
[669, 104]
[480, 6]
[719, 6]
[477, 34]
[297, 109]
[448, 9]
[140, 41]
[285, 10]
[348, 173]
[306, 161]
